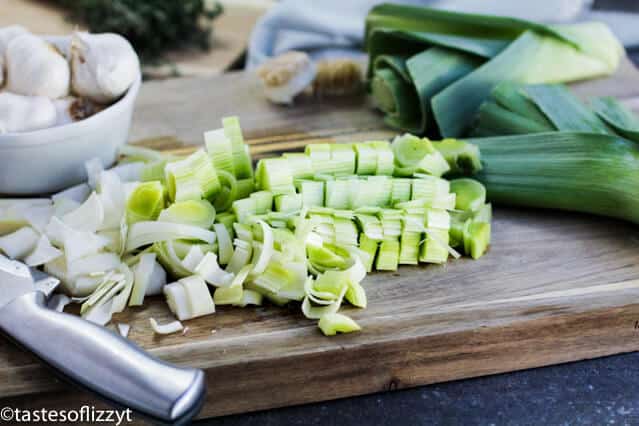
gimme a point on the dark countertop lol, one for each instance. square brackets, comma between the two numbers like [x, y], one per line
[594, 392]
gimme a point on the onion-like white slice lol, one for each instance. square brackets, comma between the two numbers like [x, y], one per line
[120, 300]
[197, 296]
[88, 217]
[157, 281]
[172, 327]
[93, 168]
[83, 286]
[123, 329]
[100, 314]
[316, 312]
[143, 271]
[38, 216]
[44, 252]
[267, 249]
[78, 193]
[224, 243]
[62, 206]
[210, 270]
[193, 258]
[143, 233]
[176, 299]
[111, 193]
[129, 172]
[100, 262]
[78, 244]
[20, 243]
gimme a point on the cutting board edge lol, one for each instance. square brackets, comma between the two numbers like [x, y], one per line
[416, 362]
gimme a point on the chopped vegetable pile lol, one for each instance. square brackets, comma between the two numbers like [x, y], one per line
[303, 227]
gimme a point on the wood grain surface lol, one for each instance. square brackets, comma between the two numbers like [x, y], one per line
[554, 287]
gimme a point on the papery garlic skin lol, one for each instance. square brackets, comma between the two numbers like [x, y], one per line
[6, 35]
[63, 109]
[103, 66]
[36, 68]
[25, 113]
[287, 75]
[72, 109]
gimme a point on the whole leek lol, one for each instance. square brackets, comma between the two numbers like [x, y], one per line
[432, 69]
[585, 172]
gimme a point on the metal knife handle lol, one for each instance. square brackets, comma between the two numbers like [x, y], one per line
[104, 362]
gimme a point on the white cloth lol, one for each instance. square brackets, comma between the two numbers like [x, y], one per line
[330, 28]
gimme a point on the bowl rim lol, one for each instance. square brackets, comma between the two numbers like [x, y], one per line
[54, 134]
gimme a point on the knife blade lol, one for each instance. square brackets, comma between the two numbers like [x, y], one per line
[92, 356]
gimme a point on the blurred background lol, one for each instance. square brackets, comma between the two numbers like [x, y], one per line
[208, 37]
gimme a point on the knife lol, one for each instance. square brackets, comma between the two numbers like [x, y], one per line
[92, 356]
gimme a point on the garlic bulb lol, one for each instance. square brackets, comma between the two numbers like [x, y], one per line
[6, 35]
[103, 66]
[9, 33]
[24, 113]
[36, 68]
[70, 109]
[286, 76]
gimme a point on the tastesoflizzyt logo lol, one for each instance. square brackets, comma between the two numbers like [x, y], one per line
[86, 413]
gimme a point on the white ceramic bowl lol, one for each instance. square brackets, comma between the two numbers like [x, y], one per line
[49, 160]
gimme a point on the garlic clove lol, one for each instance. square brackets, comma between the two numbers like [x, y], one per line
[25, 113]
[6, 35]
[9, 33]
[62, 44]
[36, 68]
[103, 66]
[71, 109]
[286, 76]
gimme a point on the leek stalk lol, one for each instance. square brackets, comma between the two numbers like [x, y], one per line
[427, 63]
[585, 172]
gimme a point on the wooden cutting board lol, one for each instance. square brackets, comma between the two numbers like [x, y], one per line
[554, 287]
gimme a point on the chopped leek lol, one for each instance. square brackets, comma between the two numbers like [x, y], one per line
[250, 297]
[145, 202]
[43, 253]
[192, 178]
[169, 328]
[264, 256]
[220, 150]
[197, 295]
[210, 270]
[143, 233]
[231, 295]
[317, 224]
[388, 256]
[331, 324]
[20, 243]
[470, 194]
[177, 301]
[123, 329]
[143, 275]
[225, 245]
[88, 217]
[242, 163]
